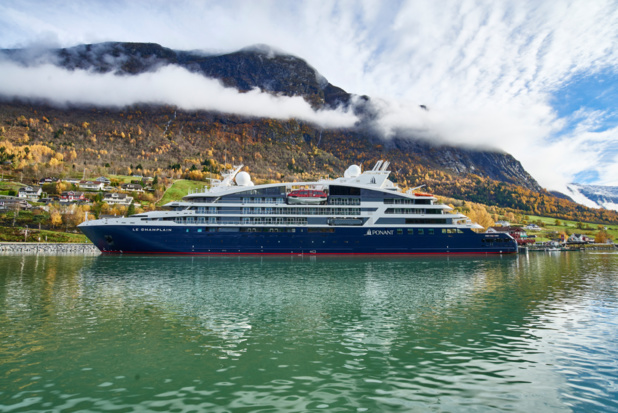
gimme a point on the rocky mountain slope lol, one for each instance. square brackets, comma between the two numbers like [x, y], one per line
[278, 73]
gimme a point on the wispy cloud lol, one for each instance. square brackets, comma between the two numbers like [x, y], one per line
[487, 70]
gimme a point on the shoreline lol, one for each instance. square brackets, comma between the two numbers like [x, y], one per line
[49, 248]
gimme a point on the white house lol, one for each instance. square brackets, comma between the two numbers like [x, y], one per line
[13, 204]
[532, 227]
[48, 180]
[578, 239]
[503, 223]
[117, 199]
[103, 179]
[91, 185]
[30, 192]
[132, 187]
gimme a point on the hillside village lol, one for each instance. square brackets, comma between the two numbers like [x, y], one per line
[60, 204]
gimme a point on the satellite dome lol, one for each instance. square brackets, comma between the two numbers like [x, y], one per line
[352, 172]
[243, 179]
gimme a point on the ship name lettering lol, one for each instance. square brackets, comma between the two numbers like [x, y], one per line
[379, 232]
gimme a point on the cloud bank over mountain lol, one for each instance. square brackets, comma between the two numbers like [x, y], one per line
[503, 74]
[168, 85]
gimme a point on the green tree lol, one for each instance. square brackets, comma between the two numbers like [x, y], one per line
[131, 209]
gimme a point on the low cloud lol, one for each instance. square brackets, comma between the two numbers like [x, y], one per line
[169, 85]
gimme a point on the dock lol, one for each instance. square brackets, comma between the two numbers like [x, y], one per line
[587, 247]
[48, 248]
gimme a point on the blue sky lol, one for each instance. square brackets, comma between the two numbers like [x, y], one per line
[535, 78]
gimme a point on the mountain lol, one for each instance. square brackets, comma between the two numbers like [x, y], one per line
[277, 73]
[594, 196]
[257, 66]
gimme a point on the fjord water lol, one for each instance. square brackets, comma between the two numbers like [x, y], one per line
[522, 333]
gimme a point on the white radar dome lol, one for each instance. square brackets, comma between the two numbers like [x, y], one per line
[352, 172]
[243, 179]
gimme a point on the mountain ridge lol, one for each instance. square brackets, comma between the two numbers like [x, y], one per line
[279, 74]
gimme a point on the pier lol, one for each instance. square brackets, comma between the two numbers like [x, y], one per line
[48, 248]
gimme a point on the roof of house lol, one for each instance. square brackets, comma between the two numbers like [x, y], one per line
[115, 195]
[32, 188]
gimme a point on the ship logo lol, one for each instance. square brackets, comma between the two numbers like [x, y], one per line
[379, 232]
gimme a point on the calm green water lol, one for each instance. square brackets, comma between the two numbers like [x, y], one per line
[180, 334]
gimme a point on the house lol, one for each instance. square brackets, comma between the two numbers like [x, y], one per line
[73, 181]
[8, 204]
[103, 179]
[117, 199]
[48, 180]
[532, 227]
[91, 185]
[578, 239]
[132, 187]
[50, 200]
[517, 233]
[72, 196]
[503, 223]
[30, 192]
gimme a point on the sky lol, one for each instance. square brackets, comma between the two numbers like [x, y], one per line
[537, 79]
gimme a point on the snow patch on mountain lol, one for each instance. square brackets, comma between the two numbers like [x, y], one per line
[594, 196]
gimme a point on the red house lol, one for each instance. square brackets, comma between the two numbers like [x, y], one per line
[72, 196]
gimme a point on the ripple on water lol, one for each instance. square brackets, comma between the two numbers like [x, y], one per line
[519, 334]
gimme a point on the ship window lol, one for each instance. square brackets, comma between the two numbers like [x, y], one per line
[430, 231]
[425, 221]
[344, 190]
[410, 231]
[421, 231]
[399, 231]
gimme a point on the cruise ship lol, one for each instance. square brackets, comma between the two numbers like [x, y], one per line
[362, 212]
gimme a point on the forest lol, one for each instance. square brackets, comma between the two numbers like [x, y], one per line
[160, 141]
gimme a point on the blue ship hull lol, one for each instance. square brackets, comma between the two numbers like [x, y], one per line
[300, 240]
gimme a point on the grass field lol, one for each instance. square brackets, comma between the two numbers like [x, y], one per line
[179, 189]
[17, 234]
[569, 227]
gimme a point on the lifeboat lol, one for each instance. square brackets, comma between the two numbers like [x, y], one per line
[422, 194]
[307, 197]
